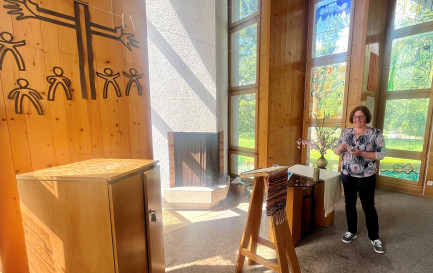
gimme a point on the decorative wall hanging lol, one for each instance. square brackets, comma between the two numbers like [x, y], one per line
[7, 44]
[110, 78]
[133, 78]
[56, 80]
[27, 9]
[23, 91]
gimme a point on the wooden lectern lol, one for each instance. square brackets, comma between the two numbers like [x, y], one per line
[283, 245]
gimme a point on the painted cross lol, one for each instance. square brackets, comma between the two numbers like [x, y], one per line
[27, 9]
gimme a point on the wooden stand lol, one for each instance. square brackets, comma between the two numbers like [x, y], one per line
[283, 245]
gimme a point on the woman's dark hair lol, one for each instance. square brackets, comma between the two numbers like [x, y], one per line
[364, 110]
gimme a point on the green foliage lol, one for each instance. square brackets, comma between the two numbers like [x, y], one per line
[406, 117]
[247, 55]
[247, 115]
[247, 7]
[411, 63]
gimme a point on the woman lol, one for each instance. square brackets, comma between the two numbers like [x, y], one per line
[361, 146]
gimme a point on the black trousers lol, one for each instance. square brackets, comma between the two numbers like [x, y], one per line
[366, 187]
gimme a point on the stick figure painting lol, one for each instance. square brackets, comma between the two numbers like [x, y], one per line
[133, 78]
[7, 44]
[84, 27]
[56, 80]
[109, 78]
[24, 92]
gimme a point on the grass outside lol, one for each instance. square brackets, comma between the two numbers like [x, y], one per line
[405, 144]
[247, 142]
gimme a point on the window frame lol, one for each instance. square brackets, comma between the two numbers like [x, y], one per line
[244, 89]
[385, 95]
[320, 61]
[231, 32]
[239, 148]
[245, 19]
[236, 152]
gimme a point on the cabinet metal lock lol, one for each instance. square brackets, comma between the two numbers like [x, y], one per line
[152, 215]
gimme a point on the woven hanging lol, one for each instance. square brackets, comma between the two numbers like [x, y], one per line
[277, 183]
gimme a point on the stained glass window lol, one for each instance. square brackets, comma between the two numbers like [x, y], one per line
[244, 56]
[243, 120]
[331, 27]
[241, 163]
[242, 8]
[327, 90]
[411, 63]
[412, 12]
[405, 122]
[401, 168]
[313, 155]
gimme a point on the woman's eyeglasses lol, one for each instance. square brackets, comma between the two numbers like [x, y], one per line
[358, 117]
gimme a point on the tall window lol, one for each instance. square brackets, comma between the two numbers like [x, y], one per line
[328, 64]
[406, 93]
[243, 48]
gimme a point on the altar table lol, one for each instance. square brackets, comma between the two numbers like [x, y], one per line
[324, 196]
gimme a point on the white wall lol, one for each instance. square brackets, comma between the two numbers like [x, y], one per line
[188, 72]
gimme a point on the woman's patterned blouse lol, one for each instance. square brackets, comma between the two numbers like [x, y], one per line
[370, 141]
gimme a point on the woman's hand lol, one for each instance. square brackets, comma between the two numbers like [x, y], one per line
[343, 147]
[355, 152]
[340, 149]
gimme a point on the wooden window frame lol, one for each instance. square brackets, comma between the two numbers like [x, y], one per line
[237, 28]
[244, 89]
[239, 148]
[325, 60]
[231, 152]
[385, 95]
[245, 19]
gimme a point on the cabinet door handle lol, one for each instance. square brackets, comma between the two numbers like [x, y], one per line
[152, 215]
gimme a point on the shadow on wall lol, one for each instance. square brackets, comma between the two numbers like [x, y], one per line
[196, 33]
[182, 68]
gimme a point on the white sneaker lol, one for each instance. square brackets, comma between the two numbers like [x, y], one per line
[378, 247]
[348, 237]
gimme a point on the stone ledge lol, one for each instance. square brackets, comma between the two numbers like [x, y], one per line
[196, 197]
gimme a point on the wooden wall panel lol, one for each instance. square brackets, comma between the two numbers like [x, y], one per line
[10, 216]
[69, 130]
[359, 30]
[263, 94]
[58, 107]
[286, 83]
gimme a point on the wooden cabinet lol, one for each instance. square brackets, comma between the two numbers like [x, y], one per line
[99, 215]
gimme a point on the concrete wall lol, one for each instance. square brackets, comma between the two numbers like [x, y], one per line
[188, 72]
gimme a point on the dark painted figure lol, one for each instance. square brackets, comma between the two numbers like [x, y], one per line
[22, 92]
[7, 44]
[133, 78]
[110, 78]
[56, 80]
